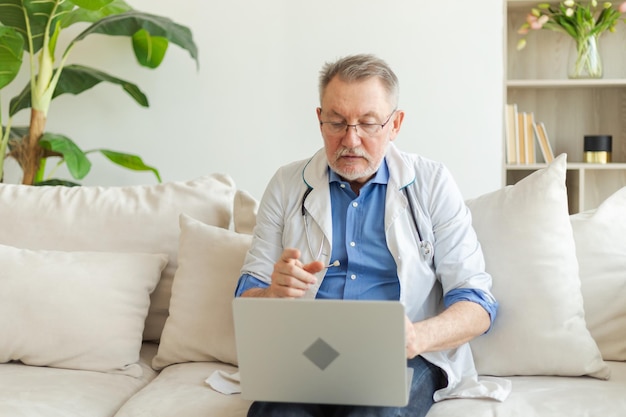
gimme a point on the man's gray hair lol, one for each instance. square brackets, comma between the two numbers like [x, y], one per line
[360, 67]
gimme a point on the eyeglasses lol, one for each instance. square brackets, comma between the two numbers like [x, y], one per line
[364, 130]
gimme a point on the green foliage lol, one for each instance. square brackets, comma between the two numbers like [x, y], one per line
[150, 50]
[129, 161]
[77, 162]
[11, 53]
[76, 79]
[34, 27]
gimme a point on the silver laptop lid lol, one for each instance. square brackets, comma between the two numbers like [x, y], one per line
[322, 351]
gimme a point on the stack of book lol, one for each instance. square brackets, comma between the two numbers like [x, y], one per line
[522, 132]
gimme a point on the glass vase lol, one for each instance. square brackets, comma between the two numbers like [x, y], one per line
[584, 59]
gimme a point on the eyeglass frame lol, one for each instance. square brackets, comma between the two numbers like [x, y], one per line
[355, 126]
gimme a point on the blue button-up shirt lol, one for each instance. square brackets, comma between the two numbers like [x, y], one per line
[367, 269]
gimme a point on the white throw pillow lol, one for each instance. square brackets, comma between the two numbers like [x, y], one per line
[75, 310]
[141, 218]
[528, 243]
[601, 249]
[200, 326]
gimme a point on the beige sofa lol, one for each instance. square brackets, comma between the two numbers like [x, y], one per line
[116, 301]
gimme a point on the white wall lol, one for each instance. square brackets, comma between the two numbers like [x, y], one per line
[251, 105]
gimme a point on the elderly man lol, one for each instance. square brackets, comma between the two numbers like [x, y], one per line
[398, 226]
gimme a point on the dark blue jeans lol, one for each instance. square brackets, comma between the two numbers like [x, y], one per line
[427, 378]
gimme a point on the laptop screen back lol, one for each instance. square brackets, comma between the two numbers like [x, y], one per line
[322, 351]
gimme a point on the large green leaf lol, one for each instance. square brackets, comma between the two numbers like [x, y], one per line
[129, 161]
[74, 80]
[149, 50]
[91, 4]
[11, 53]
[91, 16]
[38, 12]
[12, 15]
[77, 163]
[128, 23]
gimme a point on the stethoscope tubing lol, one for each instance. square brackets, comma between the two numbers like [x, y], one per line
[424, 247]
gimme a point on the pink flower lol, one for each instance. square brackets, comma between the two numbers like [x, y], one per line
[622, 7]
[535, 22]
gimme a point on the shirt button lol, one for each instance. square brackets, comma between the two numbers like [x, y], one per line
[352, 277]
[352, 244]
[355, 204]
[342, 185]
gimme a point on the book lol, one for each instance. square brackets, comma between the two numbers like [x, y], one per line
[544, 142]
[521, 137]
[510, 125]
[529, 140]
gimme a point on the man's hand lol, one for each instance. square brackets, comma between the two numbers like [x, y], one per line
[290, 278]
[411, 339]
[458, 324]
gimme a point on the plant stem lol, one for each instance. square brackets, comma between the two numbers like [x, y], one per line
[4, 141]
[30, 151]
[588, 63]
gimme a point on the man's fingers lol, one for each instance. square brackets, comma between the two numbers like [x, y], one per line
[289, 255]
[291, 282]
[288, 286]
[290, 277]
[313, 267]
[295, 269]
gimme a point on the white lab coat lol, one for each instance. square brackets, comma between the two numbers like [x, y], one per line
[450, 255]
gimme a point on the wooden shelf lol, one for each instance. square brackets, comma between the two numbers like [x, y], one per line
[534, 83]
[536, 80]
[570, 166]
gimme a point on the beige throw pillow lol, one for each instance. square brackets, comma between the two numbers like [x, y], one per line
[528, 243]
[141, 218]
[601, 249]
[75, 310]
[200, 326]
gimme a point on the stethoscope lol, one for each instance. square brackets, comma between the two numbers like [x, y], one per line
[306, 226]
[425, 246]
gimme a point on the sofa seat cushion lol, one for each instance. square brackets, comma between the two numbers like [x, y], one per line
[180, 390]
[30, 391]
[541, 396]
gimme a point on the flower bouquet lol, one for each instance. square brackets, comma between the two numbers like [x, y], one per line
[583, 22]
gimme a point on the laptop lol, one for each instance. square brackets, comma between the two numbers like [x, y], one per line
[322, 351]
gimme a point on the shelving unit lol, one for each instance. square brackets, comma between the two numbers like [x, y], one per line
[536, 79]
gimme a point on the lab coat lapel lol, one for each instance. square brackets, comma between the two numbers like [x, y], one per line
[317, 204]
[401, 175]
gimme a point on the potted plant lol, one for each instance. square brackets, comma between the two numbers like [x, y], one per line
[33, 28]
